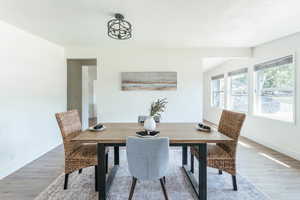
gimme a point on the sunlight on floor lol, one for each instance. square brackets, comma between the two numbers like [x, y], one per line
[245, 145]
[275, 160]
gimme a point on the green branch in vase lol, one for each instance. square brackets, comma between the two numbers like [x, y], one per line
[158, 107]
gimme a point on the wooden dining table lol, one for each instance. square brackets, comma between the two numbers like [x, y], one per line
[179, 134]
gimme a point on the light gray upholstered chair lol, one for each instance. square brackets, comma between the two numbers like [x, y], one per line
[148, 159]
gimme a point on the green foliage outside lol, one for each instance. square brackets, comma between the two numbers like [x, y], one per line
[278, 77]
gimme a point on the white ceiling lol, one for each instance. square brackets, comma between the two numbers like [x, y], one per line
[209, 63]
[165, 23]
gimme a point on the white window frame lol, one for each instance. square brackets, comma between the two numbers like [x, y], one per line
[217, 77]
[255, 86]
[229, 98]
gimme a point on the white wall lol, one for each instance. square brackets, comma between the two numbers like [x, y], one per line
[33, 88]
[185, 104]
[114, 105]
[281, 136]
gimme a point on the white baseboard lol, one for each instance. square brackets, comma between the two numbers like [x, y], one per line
[14, 166]
[292, 154]
[286, 152]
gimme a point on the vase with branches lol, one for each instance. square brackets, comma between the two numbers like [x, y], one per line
[156, 109]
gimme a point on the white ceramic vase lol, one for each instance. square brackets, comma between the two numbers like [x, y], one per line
[150, 124]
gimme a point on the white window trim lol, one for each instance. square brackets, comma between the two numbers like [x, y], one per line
[254, 104]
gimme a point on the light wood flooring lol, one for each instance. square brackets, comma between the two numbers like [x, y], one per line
[273, 173]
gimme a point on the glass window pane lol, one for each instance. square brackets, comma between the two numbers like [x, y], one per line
[217, 93]
[275, 92]
[238, 95]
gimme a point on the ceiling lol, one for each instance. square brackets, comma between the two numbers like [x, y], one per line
[163, 23]
[209, 63]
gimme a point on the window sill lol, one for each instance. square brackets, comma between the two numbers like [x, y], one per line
[215, 107]
[273, 118]
[246, 113]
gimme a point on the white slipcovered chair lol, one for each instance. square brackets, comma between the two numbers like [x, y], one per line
[148, 159]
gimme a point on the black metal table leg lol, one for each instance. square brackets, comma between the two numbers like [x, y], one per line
[184, 155]
[200, 186]
[202, 171]
[101, 171]
[116, 155]
[192, 162]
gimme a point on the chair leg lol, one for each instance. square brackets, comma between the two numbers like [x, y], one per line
[132, 188]
[164, 178]
[234, 183]
[163, 188]
[106, 166]
[96, 180]
[220, 172]
[66, 181]
[80, 171]
[192, 163]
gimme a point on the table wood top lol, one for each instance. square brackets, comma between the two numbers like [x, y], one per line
[178, 133]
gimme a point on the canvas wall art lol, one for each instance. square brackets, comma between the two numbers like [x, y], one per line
[149, 80]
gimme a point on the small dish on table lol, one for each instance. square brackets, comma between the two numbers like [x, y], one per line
[97, 128]
[147, 134]
[204, 128]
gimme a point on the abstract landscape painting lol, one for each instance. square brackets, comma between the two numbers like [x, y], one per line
[149, 80]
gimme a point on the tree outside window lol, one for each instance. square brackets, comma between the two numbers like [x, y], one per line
[275, 86]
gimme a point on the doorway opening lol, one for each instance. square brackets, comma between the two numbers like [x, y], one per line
[81, 94]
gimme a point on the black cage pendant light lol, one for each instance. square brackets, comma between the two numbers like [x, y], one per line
[119, 28]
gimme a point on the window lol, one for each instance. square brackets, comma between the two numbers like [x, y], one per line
[217, 91]
[275, 89]
[238, 90]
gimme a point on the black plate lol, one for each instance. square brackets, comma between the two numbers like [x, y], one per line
[98, 126]
[146, 133]
[202, 126]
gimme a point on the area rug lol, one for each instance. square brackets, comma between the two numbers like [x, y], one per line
[82, 186]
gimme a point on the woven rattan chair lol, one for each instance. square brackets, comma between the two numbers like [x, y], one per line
[77, 155]
[223, 156]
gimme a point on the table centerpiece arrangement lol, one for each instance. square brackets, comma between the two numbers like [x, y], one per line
[156, 109]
